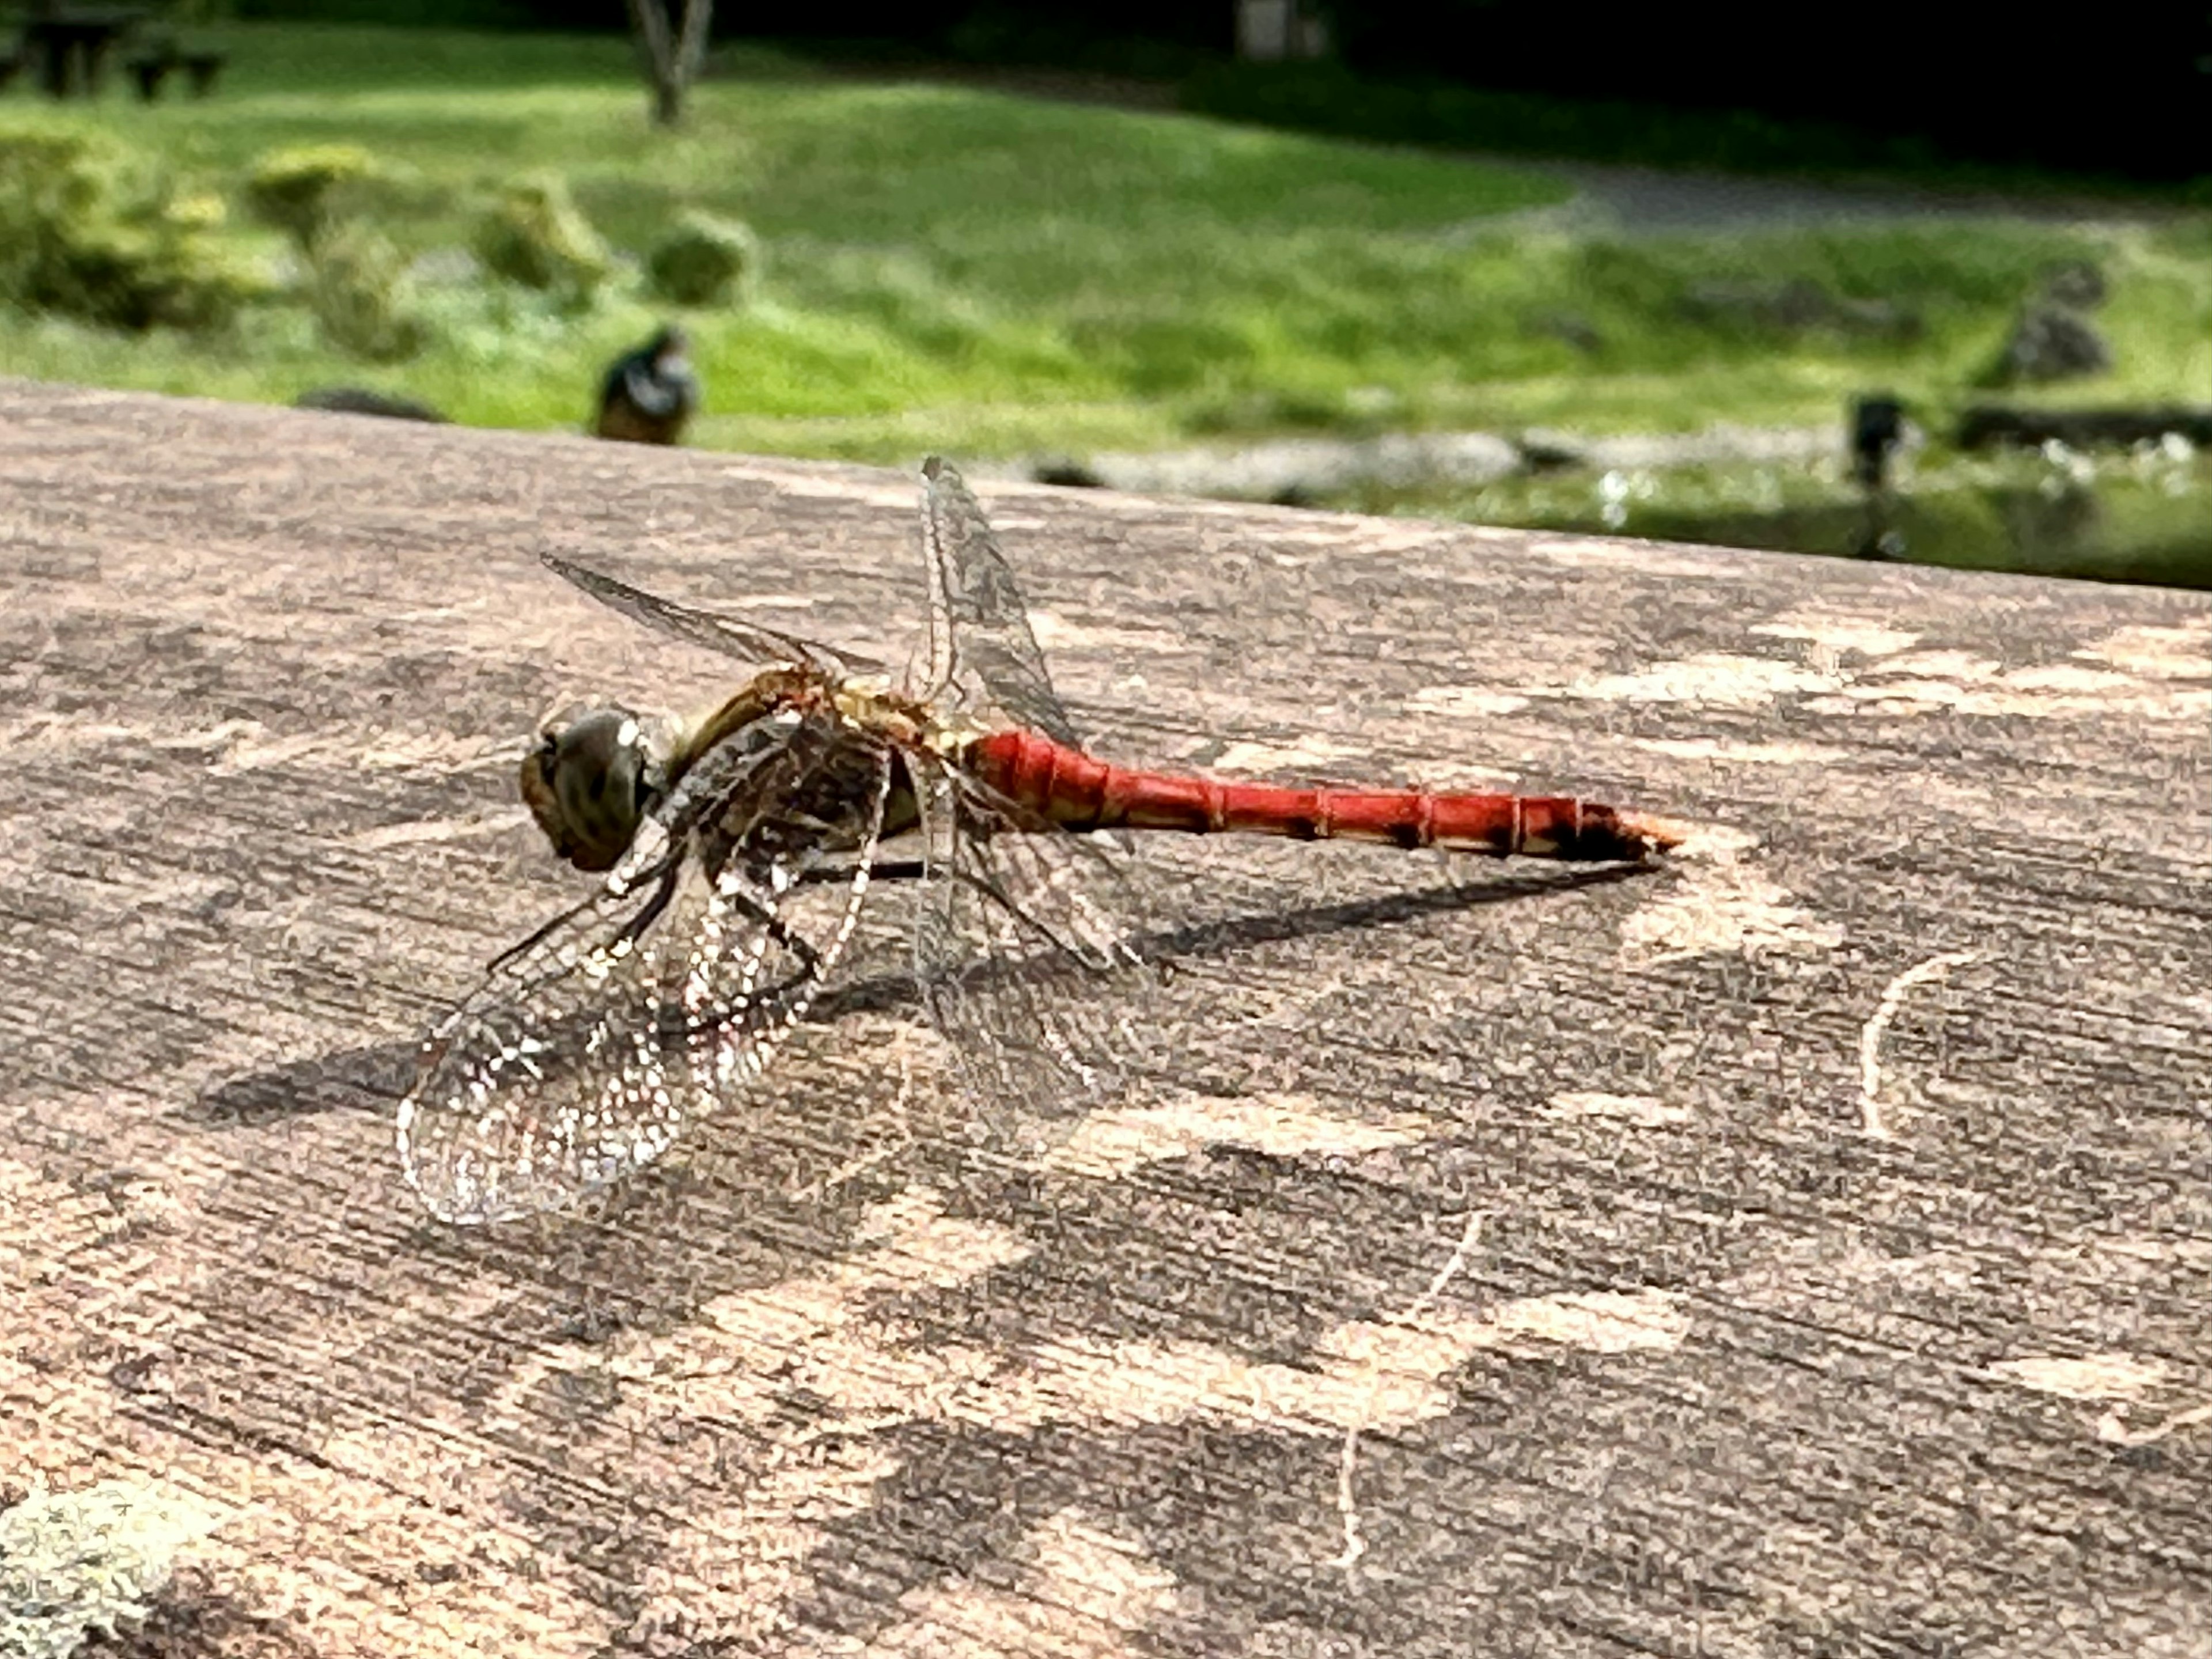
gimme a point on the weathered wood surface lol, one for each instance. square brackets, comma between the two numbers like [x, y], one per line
[1807, 1249]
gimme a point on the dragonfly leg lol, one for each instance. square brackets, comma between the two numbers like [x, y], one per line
[915, 869]
[664, 889]
[663, 874]
[774, 926]
[878, 870]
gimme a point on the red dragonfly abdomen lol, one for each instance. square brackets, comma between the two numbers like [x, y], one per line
[1071, 789]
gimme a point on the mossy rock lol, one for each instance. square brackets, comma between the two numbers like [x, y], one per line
[89, 230]
[304, 189]
[2050, 342]
[358, 287]
[705, 261]
[538, 237]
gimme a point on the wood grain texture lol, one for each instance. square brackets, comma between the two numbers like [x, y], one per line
[1806, 1248]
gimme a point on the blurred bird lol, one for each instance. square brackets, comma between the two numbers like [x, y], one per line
[1877, 428]
[649, 393]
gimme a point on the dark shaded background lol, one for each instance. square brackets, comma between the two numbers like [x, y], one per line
[2122, 92]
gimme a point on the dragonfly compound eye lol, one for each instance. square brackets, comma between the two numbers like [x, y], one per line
[588, 786]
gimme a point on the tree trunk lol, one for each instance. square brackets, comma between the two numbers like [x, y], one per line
[673, 58]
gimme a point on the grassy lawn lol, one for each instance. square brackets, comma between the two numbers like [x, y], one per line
[990, 274]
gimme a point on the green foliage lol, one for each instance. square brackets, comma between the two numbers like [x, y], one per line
[535, 236]
[304, 189]
[705, 260]
[86, 232]
[992, 274]
[357, 285]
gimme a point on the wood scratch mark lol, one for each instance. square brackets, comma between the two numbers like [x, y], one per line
[1347, 1506]
[1892, 997]
[433, 829]
[1445, 1274]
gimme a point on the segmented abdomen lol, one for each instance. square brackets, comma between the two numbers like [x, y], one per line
[1069, 787]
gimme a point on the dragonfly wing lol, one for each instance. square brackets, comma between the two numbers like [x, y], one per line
[747, 641]
[981, 648]
[1026, 951]
[593, 1046]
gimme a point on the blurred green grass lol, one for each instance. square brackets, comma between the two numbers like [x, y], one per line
[995, 274]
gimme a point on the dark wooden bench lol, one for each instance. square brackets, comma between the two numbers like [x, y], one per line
[148, 70]
[70, 46]
[151, 67]
[1805, 1248]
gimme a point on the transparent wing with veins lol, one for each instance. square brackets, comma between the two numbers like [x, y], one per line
[732, 636]
[981, 652]
[594, 1044]
[1026, 953]
[1024, 943]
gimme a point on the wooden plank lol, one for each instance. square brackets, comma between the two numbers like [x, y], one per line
[1803, 1249]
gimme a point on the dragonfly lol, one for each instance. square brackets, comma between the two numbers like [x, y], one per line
[735, 853]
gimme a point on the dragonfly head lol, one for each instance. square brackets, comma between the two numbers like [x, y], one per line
[589, 784]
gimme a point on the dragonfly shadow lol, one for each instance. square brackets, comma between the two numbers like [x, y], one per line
[1225, 936]
[367, 1079]
[375, 1077]
[1259, 927]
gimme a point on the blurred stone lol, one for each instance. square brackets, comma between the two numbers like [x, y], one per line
[1296, 470]
[1066, 471]
[1310, 469]
[2076, 284]
[1990, 427]
[359, 400]
[1718, 445]
[2051, 343]
[1544, 451]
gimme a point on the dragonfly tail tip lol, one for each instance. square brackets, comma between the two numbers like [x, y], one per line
[1657, 834]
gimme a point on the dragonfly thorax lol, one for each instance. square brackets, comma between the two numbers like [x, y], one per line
[885, 715]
